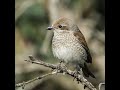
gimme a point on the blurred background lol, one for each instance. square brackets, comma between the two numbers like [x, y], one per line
[32, 17]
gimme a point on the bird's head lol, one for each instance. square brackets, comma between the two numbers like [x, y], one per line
[63, 24]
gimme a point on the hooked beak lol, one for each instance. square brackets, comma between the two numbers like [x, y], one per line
[50, 28]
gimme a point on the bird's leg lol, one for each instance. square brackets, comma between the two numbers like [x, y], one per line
[81, 72]
[59, 64]
[58, 67]
[78, 70]
[62, 64]
[75, 72]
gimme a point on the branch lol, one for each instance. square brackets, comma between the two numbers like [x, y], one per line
[57, 69]
[32, 80]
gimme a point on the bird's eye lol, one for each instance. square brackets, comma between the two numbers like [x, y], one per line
[60, 26]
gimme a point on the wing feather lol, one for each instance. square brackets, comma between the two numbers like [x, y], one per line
[82, 40]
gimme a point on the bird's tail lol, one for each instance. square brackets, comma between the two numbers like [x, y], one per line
[86, 71]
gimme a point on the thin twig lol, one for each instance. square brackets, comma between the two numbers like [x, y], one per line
[32, 80]
[39, 62]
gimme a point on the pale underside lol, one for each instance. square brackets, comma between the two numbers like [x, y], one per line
[66, 47]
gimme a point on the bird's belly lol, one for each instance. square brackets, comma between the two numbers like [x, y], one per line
[63, 53]
[70, 52]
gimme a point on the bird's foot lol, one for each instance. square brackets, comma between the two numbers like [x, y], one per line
[76, 73]
[61, 65]
[57, 69]
[58, 66]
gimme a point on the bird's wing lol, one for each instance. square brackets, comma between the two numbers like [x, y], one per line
[82, 40]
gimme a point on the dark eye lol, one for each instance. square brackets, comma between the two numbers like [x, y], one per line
[60, 26]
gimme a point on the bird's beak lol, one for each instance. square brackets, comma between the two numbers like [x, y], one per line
[50, 28]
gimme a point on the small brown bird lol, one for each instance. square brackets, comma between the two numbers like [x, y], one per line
[69, 45]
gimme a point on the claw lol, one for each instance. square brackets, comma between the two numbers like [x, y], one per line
[85, 86]
[75, 74]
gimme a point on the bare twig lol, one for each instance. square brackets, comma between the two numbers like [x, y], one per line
[39, 62]
[32, 80]
[59, 69]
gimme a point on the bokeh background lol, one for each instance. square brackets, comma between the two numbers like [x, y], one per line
[32, 17]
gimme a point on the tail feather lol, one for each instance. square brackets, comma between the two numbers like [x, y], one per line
[86, 71]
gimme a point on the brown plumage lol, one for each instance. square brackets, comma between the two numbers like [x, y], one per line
[81, 38]
[69, 44]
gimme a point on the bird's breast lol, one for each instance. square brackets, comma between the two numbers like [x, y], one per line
[66, 47]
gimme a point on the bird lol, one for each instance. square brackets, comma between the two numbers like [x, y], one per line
[69, 45]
